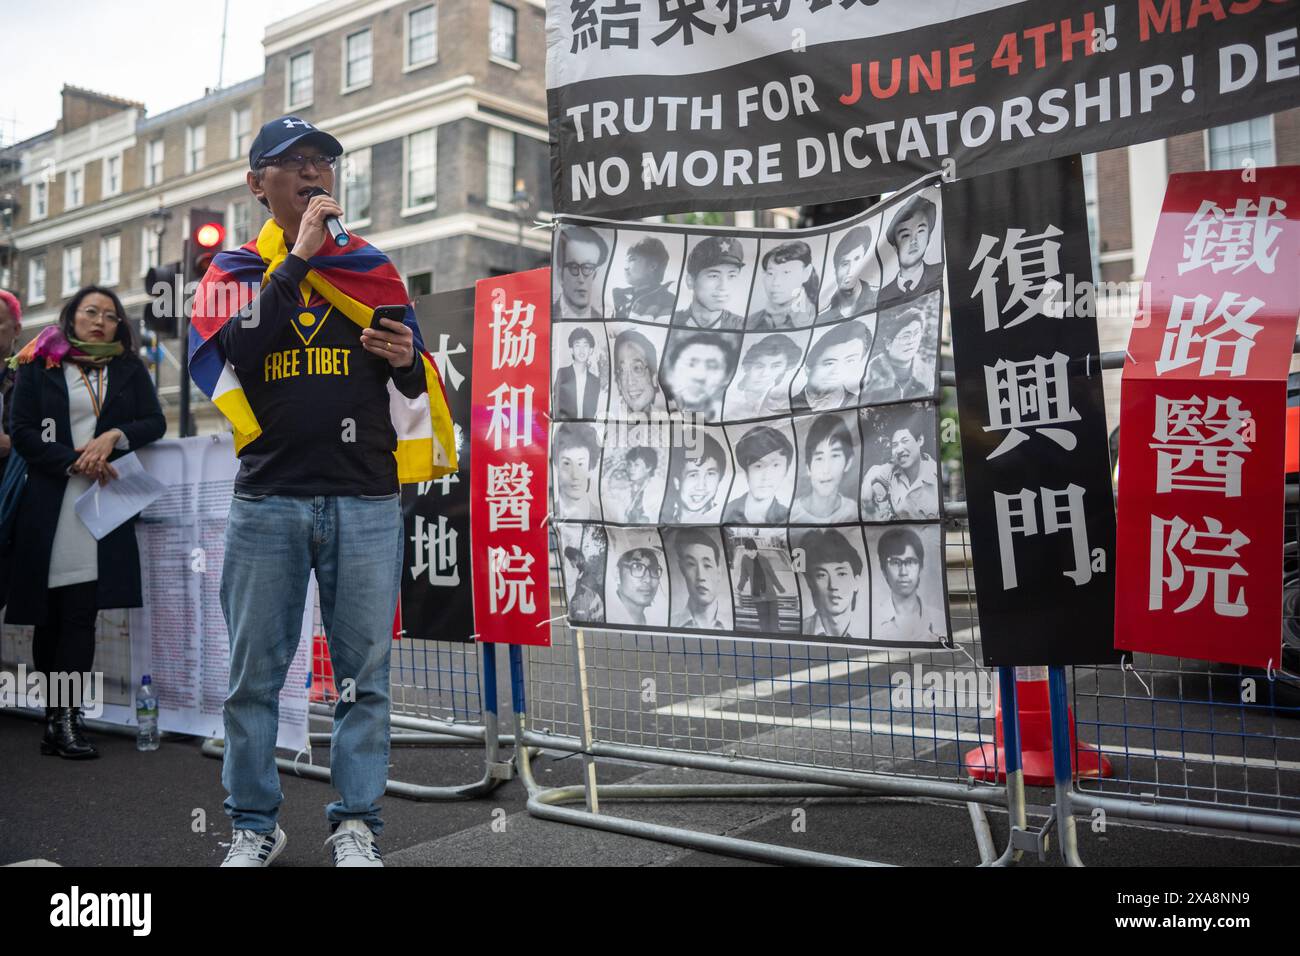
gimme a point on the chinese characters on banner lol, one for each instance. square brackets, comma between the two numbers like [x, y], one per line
[661, 106]
[434, 604]
[1033, 422]
[1202, 422]
[745, 442]
[508, 442]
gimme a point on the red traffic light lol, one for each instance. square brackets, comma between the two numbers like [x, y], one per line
[209, 235]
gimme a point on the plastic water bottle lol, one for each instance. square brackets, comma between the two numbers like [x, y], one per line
[146, 716]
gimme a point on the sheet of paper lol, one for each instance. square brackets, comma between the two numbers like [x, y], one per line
[104, 507]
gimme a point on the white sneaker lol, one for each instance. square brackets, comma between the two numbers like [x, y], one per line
[354, 845]
[250, 848]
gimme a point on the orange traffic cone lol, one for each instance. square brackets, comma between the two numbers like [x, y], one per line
[322, 671]
[989, 761]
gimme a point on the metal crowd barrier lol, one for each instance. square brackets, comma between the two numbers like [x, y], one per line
[1194, 743]
[821, 720]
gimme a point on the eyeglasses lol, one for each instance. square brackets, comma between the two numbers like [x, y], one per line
[92, 312]
[634, 369]
[897, 564]
[586, 269]
[297, 162]
[639, 569]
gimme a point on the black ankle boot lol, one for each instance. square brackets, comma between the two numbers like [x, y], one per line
[51, 731]
[68, 741]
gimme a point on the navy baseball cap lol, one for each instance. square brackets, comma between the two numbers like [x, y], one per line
[279, 134]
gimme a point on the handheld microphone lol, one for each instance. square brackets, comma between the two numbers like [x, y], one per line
[336, 230]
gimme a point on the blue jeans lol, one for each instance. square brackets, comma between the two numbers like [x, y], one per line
[272, 543]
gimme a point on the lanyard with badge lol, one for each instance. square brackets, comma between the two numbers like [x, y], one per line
[97, 393]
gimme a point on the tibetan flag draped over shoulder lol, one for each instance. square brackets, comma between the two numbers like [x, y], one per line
[354, 280]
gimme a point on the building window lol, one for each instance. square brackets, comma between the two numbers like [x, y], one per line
[71, 269]
[241, 131]
[357, 60]
[110, 260]
[300, 89]
[501, 166]
[74, 188]
[240, 225]
[112, 175]
[502, 35]
[419, 283]
[356, 185]
[421, 169]
[422, 36]
[149, 256]
[40, 200]
[35, 281]
[196, 141]
[1232, 145]
[153, 163]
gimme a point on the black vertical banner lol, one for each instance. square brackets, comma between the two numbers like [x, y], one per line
[1033, 422]
[437, 601]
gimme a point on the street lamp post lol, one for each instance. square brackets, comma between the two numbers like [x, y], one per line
[522, 203]
[158, 223]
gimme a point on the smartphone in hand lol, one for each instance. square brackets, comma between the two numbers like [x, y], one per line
[395, 312]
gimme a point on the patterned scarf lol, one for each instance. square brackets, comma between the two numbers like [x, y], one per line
[53, 346]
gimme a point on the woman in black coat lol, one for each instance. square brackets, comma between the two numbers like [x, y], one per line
[82, 399]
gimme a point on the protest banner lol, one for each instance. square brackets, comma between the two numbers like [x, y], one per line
[681, 105]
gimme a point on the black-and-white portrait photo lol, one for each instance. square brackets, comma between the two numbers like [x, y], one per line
[768, 362]
[911, 249]
[582, 561]
[643, 276]
[789, 281]
[764, 483]
[900, 471]
[696, 370]
[635, 353]
[907, 605]
[835, 584]
[827, 483]
[636, 578]
[852, 272]
[633, 473]
[763, 580]
[700, 589]
[715, 283]
[905, 352]
[831, 376]
[581, 363]
[581, 261]
[575, 471]
[699, 476]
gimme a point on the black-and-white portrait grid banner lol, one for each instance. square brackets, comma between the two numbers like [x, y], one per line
[669, 106]
[1035, 454]
[744, 438]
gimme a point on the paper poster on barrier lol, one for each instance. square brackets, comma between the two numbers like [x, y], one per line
[658, 106]
[179, 636]
[757, 460]
[1035, 455]
[1203, 418]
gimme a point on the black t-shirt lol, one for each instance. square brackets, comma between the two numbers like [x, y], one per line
[319, 396]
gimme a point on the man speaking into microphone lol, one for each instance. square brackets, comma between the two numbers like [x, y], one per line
[331, 409]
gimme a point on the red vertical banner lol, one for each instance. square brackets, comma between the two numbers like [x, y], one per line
[508, 457]
[1203, 422]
